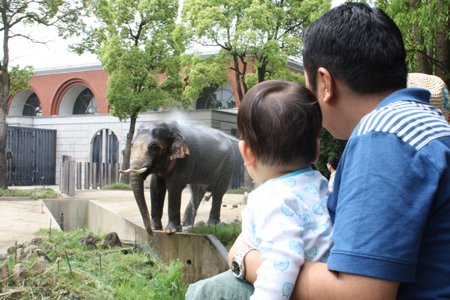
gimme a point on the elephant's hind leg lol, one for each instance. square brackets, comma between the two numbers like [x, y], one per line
[197, 193]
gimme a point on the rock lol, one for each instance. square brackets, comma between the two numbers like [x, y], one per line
[29, 250]
[19, 273]
[4, 271]
[41, 253]
[235, 206]
[3, 257]
[103, 244]
[244, 200]
[113, 239]
[88, 240]
[224, 205]
[36, 241]
[21, 245]
[48, 246]
[11, 250]
[36, 268]
[43, 262]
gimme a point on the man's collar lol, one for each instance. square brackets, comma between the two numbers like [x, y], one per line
[410, 94]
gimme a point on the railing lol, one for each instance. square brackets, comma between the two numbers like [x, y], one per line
[78, 175]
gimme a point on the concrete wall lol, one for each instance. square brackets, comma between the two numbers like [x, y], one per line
[203, 255]
[75, 133]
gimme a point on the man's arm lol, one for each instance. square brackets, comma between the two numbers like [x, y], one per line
[317, 282]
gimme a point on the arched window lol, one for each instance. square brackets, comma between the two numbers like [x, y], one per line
[32, 107]
[85, 103]
[222, 97]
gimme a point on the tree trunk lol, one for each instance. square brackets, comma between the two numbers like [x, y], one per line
[442, 68]
[4, 91]
[238, 77]
[125, 178]
[423, 64]
[262, 70]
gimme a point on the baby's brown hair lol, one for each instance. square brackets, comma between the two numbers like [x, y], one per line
[280, 121]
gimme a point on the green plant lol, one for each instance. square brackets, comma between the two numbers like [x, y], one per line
[226, 233]
[36, 193]
[118, 186]
[131, 274]
[329, 146]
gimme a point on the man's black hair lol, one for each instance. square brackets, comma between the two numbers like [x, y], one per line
[360, 46]
[333, 161]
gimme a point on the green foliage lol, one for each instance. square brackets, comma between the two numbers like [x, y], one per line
[118, 186]
[421, 22]
[225, 233]
[329, 146]
[133, 40]
[262, 34]
[36, 193]
[131, 274]
[20, 78]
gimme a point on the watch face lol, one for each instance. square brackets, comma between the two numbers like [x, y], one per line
[235, 268]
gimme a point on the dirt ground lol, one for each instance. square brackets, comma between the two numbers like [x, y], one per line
[20, 219]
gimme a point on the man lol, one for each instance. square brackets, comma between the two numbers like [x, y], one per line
[391, 198]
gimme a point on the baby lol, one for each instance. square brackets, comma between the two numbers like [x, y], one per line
[286, 217]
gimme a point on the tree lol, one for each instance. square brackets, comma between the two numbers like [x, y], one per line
[63, 15]
[426, 29]
[133, 40]
[261, 34]
[329, 146]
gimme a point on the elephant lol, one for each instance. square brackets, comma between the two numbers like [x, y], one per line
[177, 154]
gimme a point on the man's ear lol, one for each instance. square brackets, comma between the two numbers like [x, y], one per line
[317, 151]
[247, 153]
[325, 84]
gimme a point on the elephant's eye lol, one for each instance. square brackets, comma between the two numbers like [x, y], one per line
[155, 147]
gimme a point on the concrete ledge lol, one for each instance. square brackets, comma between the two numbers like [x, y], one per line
[203, 255]
[16, 199]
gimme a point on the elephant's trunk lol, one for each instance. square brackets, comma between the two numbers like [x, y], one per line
[137, 182]
[133, 171]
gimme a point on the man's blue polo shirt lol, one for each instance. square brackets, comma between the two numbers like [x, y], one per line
[391, 199]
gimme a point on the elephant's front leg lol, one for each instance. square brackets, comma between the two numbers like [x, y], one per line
[174, 224]
[157, 195]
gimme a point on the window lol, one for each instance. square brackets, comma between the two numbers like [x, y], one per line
[32, 107]
[85, 103]
[216, 98]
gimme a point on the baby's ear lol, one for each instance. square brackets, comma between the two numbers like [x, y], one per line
[247, 153]
[317, 152]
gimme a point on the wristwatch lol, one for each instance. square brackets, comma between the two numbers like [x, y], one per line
[237, 264]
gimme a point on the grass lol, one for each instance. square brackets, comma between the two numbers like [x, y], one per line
[118, 186]
[36, 193]
[226, 233]
[135, 275]
[238, 191]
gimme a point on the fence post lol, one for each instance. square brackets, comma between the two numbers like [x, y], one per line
[108, 178]
[79, 178]
[102, 179]
[116, 173]
[94, 176]
[86, 176]
[71, 178]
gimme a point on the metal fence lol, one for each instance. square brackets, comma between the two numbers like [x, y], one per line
[34, 156]
[78, 175]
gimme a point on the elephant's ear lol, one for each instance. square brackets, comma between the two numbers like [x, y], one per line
[179, 148]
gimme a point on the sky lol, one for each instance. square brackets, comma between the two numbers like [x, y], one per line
[54, 52]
